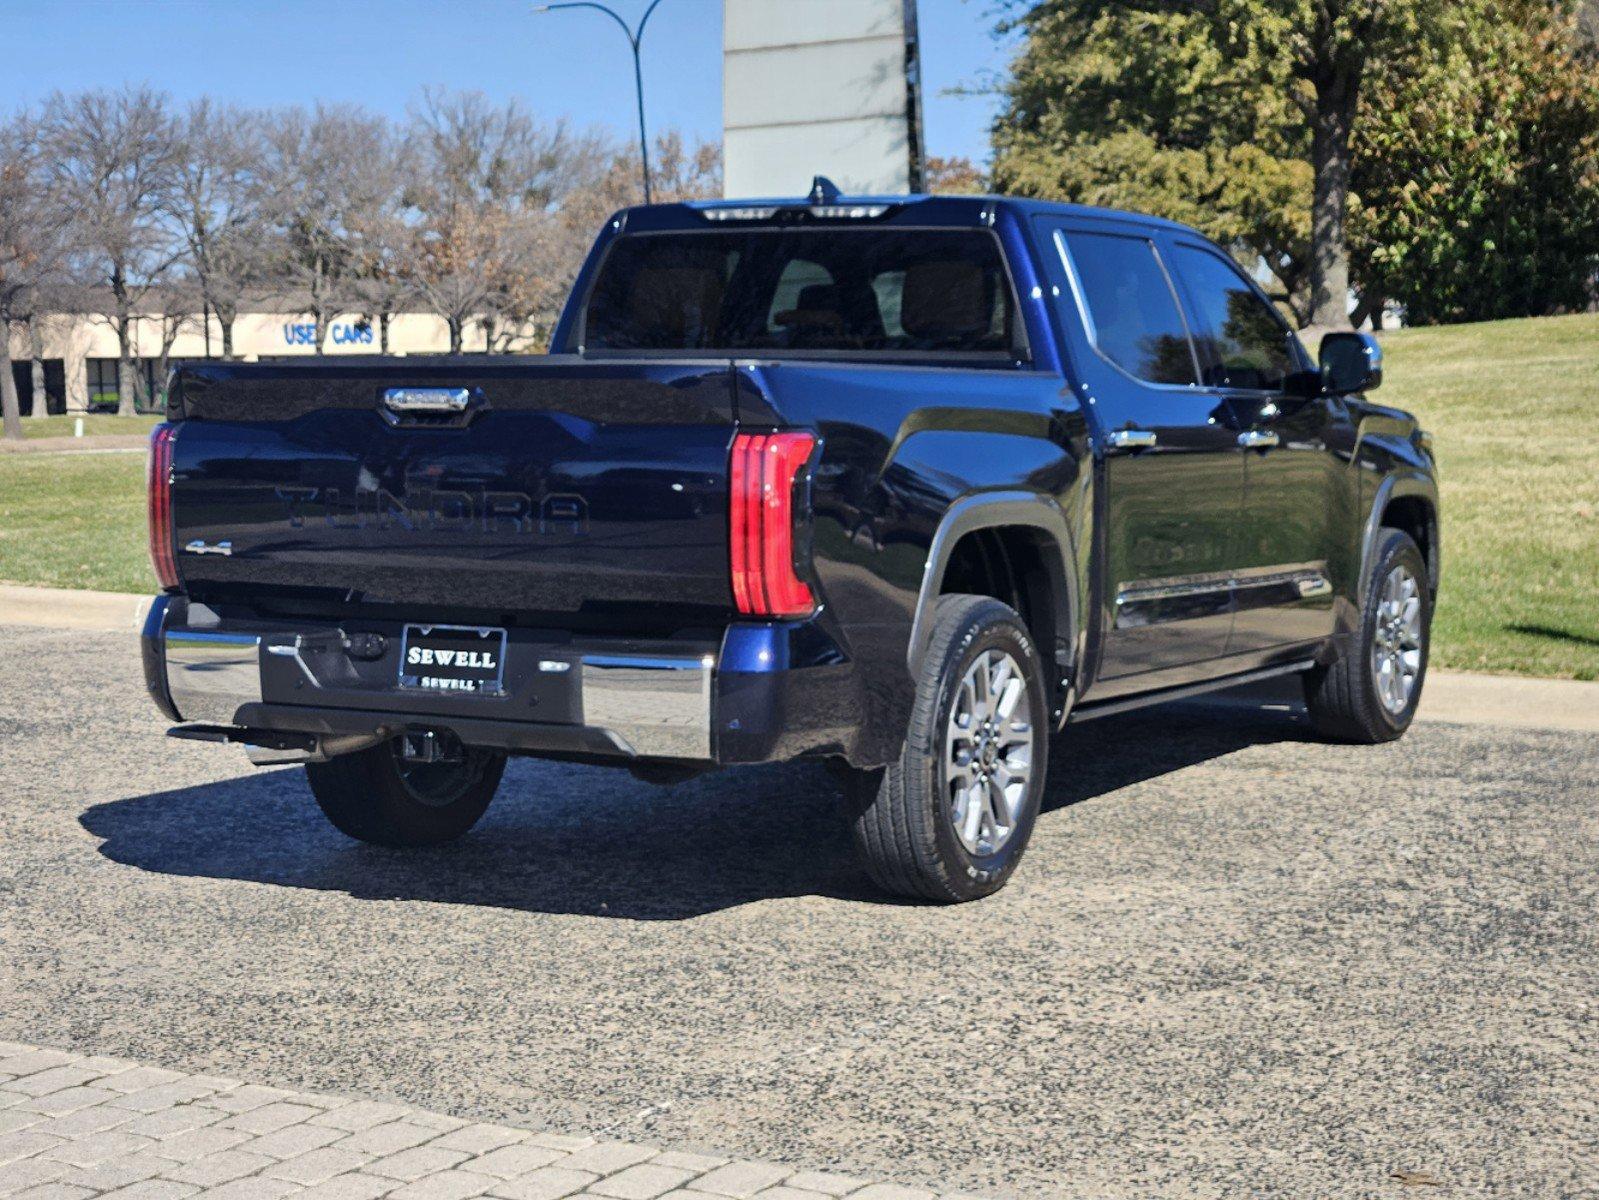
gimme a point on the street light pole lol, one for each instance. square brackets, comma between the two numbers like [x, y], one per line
[634, 37]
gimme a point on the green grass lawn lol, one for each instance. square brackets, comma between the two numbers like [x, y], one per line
[1513, 407]
[74, 520]
[93, 423]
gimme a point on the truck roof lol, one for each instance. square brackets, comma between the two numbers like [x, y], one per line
[950, 208]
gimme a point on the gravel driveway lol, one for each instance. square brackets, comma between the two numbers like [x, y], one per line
[1236, 960]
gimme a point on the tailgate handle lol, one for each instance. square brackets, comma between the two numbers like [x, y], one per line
[412, 400]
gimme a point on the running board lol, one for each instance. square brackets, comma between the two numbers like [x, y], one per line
[1110, 708]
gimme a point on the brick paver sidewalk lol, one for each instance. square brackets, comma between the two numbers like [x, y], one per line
[74, 1127]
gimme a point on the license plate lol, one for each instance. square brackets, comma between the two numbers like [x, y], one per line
[453, 658]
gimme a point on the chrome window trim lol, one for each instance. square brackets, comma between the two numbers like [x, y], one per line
[1086, 314]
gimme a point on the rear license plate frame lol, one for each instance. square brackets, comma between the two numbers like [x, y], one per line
[450, 678]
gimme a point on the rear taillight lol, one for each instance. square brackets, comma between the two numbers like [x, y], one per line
[159, 479]
[765, 466]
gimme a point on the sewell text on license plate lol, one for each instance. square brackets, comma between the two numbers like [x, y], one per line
[453, 658]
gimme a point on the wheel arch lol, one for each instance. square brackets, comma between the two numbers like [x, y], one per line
[1017, 547]
[1407, 501]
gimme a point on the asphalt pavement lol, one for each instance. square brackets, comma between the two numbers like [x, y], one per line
[1236, 960]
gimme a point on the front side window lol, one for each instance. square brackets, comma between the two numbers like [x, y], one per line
[767, 291]
[1133, 315]
[1242, 342]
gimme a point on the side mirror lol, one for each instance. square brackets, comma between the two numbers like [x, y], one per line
[1350, 362]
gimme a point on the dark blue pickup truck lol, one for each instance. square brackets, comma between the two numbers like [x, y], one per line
[906, 483]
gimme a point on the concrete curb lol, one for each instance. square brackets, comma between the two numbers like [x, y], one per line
[89, 444]
[69, 608]
[1458, 697]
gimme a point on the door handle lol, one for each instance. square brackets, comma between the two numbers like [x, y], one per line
[1258, 439]
[1129, 439]
[199, 546]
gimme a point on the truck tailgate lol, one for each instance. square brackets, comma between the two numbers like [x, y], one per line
[561, 487]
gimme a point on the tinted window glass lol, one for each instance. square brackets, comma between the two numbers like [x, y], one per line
[1242, 341]
[840, 290]
[1136, 322]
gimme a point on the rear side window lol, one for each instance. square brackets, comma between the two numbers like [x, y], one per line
[842, 291]
[1132, 312]
[1241, 340]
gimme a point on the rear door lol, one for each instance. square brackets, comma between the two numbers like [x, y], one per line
[1295, 482]
[1173, 472]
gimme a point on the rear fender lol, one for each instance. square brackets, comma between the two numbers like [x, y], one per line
[999, 510]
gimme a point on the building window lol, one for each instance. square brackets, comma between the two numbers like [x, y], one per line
[103, 391]
[55, 386]
[150, 384]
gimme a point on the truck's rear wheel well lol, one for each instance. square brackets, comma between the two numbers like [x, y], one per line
[1413, 515]
[1009, 563]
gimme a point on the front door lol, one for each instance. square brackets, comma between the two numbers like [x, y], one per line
[1298, 489]
[1173, 471]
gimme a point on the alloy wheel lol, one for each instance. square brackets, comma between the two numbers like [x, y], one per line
[988, 753]
[1397, 640]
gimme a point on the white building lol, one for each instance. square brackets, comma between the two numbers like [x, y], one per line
[80, 352]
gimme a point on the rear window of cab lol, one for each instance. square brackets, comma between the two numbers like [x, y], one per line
[847, 292]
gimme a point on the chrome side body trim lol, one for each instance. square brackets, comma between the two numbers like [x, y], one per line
[652, 707]
[1155, 601]
[210, 674]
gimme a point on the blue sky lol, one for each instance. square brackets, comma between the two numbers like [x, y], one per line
[380, 52]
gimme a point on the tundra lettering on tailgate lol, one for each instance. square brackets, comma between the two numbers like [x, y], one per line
[428, 509]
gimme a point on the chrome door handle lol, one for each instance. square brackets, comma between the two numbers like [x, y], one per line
[1258, 439]
[426, 399]
[202, 547]
[1129, 439]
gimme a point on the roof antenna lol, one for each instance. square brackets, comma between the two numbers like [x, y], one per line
[823, 190]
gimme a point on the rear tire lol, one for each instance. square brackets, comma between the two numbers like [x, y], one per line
[949, 820]
[1370, 693]
[376, 796]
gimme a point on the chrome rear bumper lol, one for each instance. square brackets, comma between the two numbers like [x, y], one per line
[638, 705]
[211, 675]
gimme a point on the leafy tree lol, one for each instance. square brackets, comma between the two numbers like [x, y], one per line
[1441, 151]
[956, 176]
[1247, 118]
[1168, 108]
[1478, 173]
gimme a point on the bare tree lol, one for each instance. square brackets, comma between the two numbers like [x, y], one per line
[380, 238]
[180, 301]
[31, 253]
[487, 179]
[217, 203]
[681, 172]
[599, 183]
[315, 174]
[111, 156]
